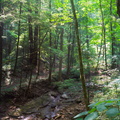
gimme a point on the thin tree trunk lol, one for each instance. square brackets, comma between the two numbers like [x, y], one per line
[56, 47]
[72, 50]
[50, 42]
[31, 38]
[113, 63]
[61, 57]
[31, 41]
[36, 32]
[1, 43]
[29, 84]
[36, 35]
[39, 54]
[69, 54]
[17, 51]
[39, 46]
[104, 35]
[80, 57]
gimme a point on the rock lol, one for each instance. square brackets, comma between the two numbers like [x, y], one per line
[29, 118]
[52, 93]
[35, 104]
[64, 96]
[15, 113]
[5, 118]
[45, 112]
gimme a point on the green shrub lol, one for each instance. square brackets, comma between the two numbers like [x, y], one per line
[65, 84]
[108, 109]
[70, 85]
[75, 73]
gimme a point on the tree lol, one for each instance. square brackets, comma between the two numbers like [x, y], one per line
[61, 56]
[113, 64]
[1, 41]
[17, 51]
[50, 45]
[103, 34]
[80, 56]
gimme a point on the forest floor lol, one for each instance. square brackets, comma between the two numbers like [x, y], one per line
[44, 101]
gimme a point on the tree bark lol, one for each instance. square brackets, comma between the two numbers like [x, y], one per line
[103, 35]
[17, 51]
[1, 43]
[56, 47]
[36, 34]
[72, 59]
[61, 57]
[113, 63]
[80, 57]
[50, 44]
[69, 54]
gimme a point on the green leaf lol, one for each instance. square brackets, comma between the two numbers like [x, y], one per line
[118, 103]
[79, 119]
[112, 100]
[101, 107]
[112, 112]
[92, 110]
[91, 116]
[109, 104]
[81, 114]
[91, 105]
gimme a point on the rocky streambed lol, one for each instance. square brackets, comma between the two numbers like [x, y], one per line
[45, 107]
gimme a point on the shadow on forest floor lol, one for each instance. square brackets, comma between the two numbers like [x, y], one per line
[46, 101]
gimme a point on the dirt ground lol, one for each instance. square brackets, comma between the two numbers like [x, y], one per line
[69, 103]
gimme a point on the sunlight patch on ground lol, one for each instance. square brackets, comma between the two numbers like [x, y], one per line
[115, 83]
[8, 81]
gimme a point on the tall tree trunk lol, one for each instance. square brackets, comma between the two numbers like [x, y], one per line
[19, 25]
[39, 46]
[69, 54]
[72, 58]
[80, 57]
[50, 42]
[36, 35]
[31, 42]
[113, 63]
[56, 47]
[36, 32]
[39, 53]
[61, 57]
[87, 40]
[31, 39]
[1, 41]
[104, 35]
[1, 34]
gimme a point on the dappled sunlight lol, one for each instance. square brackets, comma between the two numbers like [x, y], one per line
[8, 81]
[57, 57]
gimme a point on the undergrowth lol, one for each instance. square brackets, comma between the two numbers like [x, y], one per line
[68, 84]
[106, 103]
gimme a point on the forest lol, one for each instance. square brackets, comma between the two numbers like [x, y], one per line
[59, 60]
